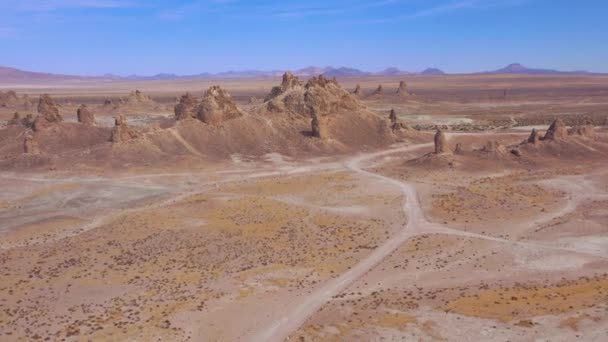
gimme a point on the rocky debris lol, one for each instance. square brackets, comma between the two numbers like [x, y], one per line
[586, 130]
[493, 146]
[30, 145]
[606, 122]
[122, 131]
[359, 93]
[533, 138]
[217, 106]
[402, 90]
[441, 143]
[557, 130]
[85, 116]
[186, 108]
[48, 113]
[458, 149]
[379, 91]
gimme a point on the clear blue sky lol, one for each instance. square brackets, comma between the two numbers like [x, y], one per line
[191, 36]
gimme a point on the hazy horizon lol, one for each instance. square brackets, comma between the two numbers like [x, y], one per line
[124, 37]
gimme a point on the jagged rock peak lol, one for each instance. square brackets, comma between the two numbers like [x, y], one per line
[557, 130]
[217, 106]
[533, 138]
[186, 108]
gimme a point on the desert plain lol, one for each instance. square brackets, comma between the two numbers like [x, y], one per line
[432, 208]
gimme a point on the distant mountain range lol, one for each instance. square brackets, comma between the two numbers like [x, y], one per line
[517, 68]
[12, 75]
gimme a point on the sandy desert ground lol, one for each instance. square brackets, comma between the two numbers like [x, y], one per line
[186, 231]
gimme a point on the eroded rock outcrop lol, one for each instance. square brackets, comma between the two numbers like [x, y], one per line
[358, 92]
[122, 132]
[288, 83]
[459, 150]
[586, 130]
[85, 116]
[533, 138]
[30, 145]
[441, 143]
[8, 98]
[396, 125]
[402, 90]
[493, 146]
[48, 113]
[186, 108]
[557, 130]
[217, 106]
[379, 91]
[16, 119]
[319, 127]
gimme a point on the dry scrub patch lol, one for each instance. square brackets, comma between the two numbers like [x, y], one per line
[525, 301]
[134, 276]
[496, 200]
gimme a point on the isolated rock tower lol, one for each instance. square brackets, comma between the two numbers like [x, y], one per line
[441, 143]
[85, 116]
[48, 113]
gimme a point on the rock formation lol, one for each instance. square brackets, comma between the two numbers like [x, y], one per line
[441, 143]
[122, 131]
[402, 90]
[606, 122]
[379, 91]
[396, 125]
[289, 82]
[533, 138]
[393, 116]
[359, 93]
[16, 120]
[8, 98]
[30, 145]
[319, 127]
[217, 106]
[186, 108]
[586, 130]
[458, 149]
[48, 113]
[557, 130]
[85, 116]
[493, 146]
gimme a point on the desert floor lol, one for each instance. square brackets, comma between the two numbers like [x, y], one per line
[337, 248]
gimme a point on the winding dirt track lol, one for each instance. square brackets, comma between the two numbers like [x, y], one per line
[416, 224]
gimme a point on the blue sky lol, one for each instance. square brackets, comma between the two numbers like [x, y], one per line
[191, 36]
